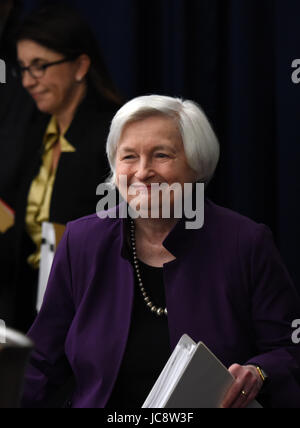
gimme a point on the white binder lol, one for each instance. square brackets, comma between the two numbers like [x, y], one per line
[192, 378]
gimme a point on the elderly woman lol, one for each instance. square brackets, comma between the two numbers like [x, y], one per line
[123, 290]
[64, 158]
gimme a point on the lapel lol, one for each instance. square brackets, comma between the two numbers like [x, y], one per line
[91, 104]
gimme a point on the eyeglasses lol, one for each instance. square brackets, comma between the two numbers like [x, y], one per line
[37, 71]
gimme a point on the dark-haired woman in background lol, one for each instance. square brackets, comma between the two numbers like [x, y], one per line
[17, 111]
[62, 69]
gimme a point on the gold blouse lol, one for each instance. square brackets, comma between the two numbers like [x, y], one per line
[39, 198]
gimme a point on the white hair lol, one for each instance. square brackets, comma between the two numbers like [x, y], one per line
[200, 143]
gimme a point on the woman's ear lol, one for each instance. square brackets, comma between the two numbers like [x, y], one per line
[83, 66]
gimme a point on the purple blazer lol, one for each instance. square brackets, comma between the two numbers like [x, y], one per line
[227, 287]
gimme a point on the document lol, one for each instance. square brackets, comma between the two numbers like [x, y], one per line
[192, 378]
[7, 217]
[51, 236]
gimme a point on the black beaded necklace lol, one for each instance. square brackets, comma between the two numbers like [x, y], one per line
[157, 310]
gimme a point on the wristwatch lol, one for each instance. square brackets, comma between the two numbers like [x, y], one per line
[262, 374]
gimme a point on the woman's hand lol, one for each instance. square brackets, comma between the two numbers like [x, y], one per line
[247, 385]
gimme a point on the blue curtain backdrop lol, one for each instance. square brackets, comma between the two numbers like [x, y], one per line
[233, 57]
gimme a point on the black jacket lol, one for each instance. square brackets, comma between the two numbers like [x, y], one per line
[17, 113]
[74, 192]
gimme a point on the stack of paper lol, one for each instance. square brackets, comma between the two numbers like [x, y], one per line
[192, 378]
[14, 354]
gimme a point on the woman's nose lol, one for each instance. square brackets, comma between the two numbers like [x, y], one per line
[144, 170]
[27, 80]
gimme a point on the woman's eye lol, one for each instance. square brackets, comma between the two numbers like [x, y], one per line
[161, 155]
[39, 66]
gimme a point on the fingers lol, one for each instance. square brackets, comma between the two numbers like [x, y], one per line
[245, 388]
[244, 398]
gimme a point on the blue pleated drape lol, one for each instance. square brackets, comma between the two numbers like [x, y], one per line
[234, 57]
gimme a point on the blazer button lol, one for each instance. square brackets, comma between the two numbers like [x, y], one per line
[68, 404]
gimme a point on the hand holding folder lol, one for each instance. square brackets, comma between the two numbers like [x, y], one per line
[192, 378]
[7, 217]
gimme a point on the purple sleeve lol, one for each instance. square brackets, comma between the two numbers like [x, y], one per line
[48, 368]
[275, 305]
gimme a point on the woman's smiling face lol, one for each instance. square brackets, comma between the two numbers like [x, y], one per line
[150, 150]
